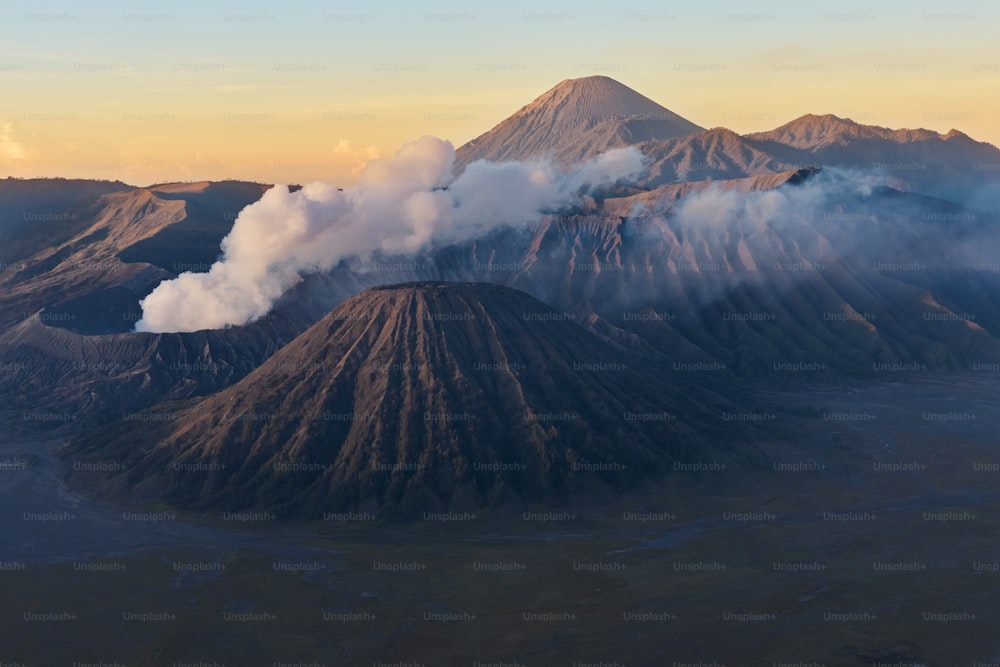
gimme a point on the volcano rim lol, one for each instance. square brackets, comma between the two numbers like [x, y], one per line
[427, 285]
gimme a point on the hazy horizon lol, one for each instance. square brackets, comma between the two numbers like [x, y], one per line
[303, 92]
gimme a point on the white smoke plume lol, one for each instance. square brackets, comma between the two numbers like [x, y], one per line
[399, 205]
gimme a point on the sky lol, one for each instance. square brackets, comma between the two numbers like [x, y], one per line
[298, 91]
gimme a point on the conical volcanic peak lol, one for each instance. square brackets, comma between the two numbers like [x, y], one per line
[576, 120]
[418, 396]
[596, 98]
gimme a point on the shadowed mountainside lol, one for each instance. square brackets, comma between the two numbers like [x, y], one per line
[415, 397]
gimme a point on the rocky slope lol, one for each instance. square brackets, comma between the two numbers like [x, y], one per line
[417, 397]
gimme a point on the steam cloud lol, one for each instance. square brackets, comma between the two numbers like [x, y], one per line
[400, 205]
[808, 203]
[836, 215]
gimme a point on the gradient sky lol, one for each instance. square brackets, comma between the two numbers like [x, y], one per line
[298, 91]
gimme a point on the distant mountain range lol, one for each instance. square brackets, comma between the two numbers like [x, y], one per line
[761, 258]
[580, 118]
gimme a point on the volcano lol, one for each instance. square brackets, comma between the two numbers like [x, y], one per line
[419, 396]
[576, 120]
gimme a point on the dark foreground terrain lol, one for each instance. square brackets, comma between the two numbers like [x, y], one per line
[872, 542]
